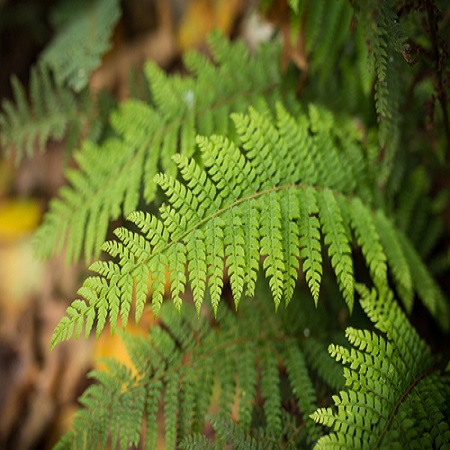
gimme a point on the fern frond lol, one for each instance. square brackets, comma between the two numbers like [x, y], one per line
[228, 435]
[425, 285]
[52, 110]
[271, 245]
[118, 402]
[246, 362]
[388, 378]
[232, 201]
[396, 260]
[148, 137]
[369, 241]
[302, 386]
[198, 441]
[326, 42]
[79, 45]
[272, 398]
[175, 369]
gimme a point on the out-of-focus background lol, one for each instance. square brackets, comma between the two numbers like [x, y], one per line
[38, 387]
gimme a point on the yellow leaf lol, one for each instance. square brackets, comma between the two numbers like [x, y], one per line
[18, 218]
[202, 16]
[109, 345]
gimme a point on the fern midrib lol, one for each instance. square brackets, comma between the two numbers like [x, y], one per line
[219, 212]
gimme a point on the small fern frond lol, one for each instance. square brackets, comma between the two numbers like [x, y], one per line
[149, 135]
[388, 378]
[270, 378]
[53, 110]
[326, 42]
[228, 435]
[410, 273]
[79, 45]
[396, 260]
[119, 405]
[381, 27]
[425, 285]
[302, 386]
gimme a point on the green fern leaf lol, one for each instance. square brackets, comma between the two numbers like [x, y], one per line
[250, 224]
[151, 415]
[171, 409]
[302, 386]
[369, 241]
[426, 287]
[106, 406]
[272, 247]
[235, 253]
[386, 41]
[319, 359]
[197, 266]
[272, 399]
[290, 214]
[388, 379]
[246, 363]
[295, 134]
[228, 206]
[396, 259]
[180, 366]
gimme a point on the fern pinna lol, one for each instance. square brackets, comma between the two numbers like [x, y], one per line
[54, 112]
[259, 200]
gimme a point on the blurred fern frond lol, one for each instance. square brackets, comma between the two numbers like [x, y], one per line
[52, 112]
[81, 41]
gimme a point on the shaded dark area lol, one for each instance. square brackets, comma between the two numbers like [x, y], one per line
[24, 32]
